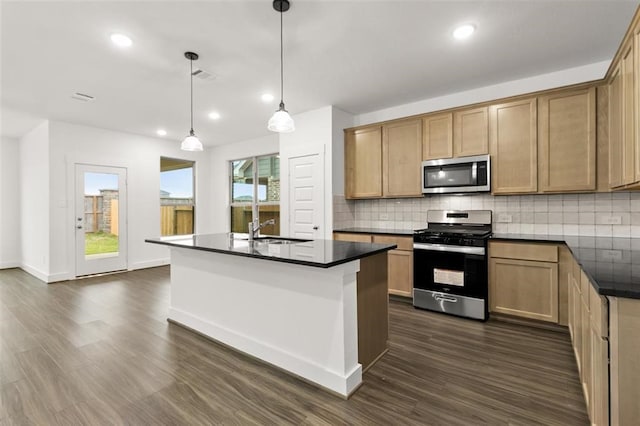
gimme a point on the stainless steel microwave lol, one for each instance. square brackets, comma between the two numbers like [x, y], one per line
[454, 175]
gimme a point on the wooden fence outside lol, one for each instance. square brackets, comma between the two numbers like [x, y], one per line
[176, 220]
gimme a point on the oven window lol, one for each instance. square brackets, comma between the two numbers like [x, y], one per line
[449, 175]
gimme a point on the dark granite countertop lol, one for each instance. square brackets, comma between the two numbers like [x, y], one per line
[375, 231]
[611, 263]
[316, 253]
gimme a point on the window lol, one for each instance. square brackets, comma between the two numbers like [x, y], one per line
[176, 197]
[255, 193]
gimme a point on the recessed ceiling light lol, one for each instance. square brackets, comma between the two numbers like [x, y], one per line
[267, 97]
[464, 31]
[161, 132]
[121, 40]
[214, 115]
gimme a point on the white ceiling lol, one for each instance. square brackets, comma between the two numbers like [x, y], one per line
[360, 56]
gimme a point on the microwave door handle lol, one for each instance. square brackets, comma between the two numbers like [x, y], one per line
[474, 172]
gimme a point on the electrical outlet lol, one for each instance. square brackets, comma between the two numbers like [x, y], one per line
[384, 216]
[612, 254]
[612, 220]
[505, 218]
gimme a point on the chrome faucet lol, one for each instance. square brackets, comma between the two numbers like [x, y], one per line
[254, 228]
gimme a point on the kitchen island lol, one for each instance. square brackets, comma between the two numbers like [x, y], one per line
[317, 309]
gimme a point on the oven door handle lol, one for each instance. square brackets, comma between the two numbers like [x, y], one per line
[449, 248]
[445, 299]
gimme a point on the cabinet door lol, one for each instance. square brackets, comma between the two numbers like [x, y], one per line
[577, 323]
[570, 315]
[567, 141]
[599, 410]
[471, 132]
[615, 129]
[400, 272]
[513, 147]
[437, 137]
[363, 163]
[524, 288]
[585, 365]
[628, 118]
[402, 147]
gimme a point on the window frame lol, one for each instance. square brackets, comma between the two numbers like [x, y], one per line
[255, 203]
[193, 186]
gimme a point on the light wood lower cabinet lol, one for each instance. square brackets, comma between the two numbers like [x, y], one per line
[624, 349]
[524, 288]
[523, 280]
[399, 261]
[589, 329]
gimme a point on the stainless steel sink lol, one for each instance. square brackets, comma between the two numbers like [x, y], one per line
[275, 240]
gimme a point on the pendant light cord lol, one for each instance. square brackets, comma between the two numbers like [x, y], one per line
[281, 64]
[191, 78]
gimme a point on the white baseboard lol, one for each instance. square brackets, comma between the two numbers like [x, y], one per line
[149, 264]
[9, 265]
[35, 272]
[61, 276]
[334, 382]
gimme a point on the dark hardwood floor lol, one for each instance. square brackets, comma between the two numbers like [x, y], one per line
[99, 351]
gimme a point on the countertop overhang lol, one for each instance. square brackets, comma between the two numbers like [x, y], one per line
[315, 253]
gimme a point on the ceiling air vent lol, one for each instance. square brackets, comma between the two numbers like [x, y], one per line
[203, 75]
[82, 97]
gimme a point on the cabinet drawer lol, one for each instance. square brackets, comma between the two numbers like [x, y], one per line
[356, 238]
[599, 312]
[403, 243]
[524, 251]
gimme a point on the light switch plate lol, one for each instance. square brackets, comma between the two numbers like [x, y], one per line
[612, 254]
[612, 220]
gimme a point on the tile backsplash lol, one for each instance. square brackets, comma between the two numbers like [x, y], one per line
[603, 214]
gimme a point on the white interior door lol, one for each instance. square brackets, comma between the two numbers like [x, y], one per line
[100, 219]
[306, 196]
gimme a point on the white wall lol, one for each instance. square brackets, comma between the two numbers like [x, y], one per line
[218, 185]
[320, 130]
[71, 144]
[552, 80]
[34, 201]
[340, 120]
[9, 203]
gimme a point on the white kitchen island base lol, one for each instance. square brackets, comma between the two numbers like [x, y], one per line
[299, 318]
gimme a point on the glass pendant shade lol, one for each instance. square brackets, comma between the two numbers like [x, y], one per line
[191, 143]
[281, 121]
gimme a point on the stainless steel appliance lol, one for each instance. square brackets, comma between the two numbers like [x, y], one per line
[450, 271]
[462, 174]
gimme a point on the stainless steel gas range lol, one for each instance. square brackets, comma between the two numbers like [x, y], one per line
[450, 272]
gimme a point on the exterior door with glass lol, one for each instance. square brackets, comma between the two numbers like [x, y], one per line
[100, 219]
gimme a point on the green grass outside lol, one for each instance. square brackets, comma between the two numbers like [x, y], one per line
[100, 242]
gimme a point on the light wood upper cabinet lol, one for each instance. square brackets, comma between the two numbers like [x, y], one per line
[402, 148]
[628, 118]
[513, 147]
[615, 128]
[363, 162]
[437, 136]
[471, 132]
[567, 141]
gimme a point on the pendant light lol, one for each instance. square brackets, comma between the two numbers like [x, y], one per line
[191, 142]
[281, 121]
